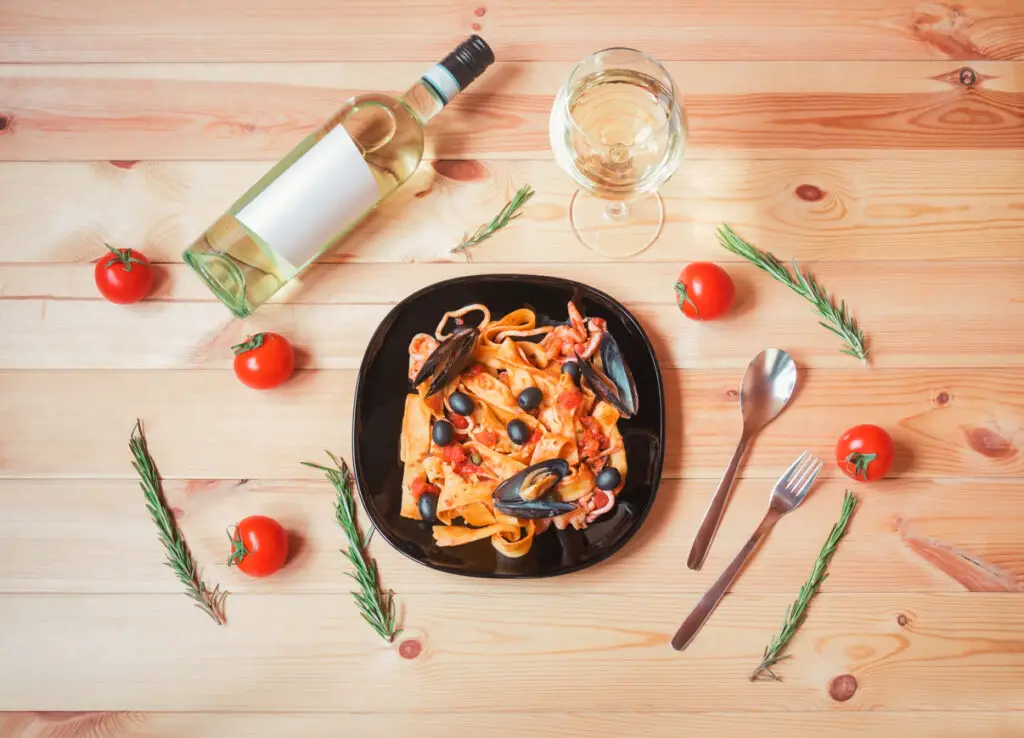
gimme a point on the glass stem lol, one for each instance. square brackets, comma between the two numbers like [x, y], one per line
[616, 211]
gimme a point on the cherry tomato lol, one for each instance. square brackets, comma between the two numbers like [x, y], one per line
[421, 486]
[264, 361]
[124, 277]
[704, 291]
[865, 453]
[259, 546]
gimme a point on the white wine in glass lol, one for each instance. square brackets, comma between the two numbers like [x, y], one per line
[617, 129]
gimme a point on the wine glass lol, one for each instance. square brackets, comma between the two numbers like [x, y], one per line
[618, 131]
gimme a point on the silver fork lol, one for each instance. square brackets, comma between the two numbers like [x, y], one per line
[788, 493]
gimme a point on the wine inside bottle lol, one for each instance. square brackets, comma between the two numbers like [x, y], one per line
[326, 185]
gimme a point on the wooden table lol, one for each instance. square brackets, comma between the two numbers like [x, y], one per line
[897, 178]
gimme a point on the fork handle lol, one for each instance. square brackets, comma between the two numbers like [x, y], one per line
[695, 621]
[713, 516]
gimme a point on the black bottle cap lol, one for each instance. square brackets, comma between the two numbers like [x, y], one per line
[469, 60]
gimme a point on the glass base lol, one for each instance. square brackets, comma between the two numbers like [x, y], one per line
[614, 228]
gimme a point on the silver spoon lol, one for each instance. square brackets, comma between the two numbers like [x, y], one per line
[767, 386]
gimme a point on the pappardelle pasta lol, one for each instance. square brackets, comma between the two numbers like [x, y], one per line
[513, 427]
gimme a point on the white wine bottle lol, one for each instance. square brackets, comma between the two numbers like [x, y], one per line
[326, 185]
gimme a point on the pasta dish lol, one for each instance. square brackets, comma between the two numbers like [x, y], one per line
[513, 426]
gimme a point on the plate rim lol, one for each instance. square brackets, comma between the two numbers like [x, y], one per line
[369, 509]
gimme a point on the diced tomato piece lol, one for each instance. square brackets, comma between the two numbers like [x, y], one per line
[536, 435]
[570, 400]
[600, 499]
[420, 485]
[476, 368]
[487, 437]
[459, 421]
[453, 453]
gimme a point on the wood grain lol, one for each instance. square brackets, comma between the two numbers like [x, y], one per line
[961, 208]
[312, 652]
[917, 724]
[915, 326]
[945, 423]
[891, 547]
[230, 112]
[262, 30]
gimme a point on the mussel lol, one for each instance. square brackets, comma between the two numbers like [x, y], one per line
[526, 495]
[448, 360]
[615, 383]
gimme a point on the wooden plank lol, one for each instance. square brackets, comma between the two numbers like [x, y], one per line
[261, 30]
[900, 308]
[949, 208]
[231, 112]
[912, 724]
[206, 425]
[908, 536]
[312, 652]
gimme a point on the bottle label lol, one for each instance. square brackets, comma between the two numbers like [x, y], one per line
[322, 194]
[442, 81]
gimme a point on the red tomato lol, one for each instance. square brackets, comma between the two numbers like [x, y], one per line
[420, 485]
[459, 421]
[487, 437]
[476, 368]
[452, 453]
[259, 546]
[536, 435]
[704, 291]
[125, 277]
[865, 453]
[600, 499]
[264, 361]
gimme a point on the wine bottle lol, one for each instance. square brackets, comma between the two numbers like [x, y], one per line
[326, 185]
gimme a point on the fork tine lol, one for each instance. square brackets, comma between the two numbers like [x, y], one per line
[788, 474]
[807, 469]
[806, 484]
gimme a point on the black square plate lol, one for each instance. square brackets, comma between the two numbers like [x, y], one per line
[381, 387]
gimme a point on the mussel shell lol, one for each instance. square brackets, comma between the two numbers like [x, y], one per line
[615, 385]
[448, 360]
[508, 498]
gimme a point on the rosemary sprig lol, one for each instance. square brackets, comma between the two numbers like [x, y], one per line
[179, 558]
[796, 613]
[510, 212]
[375, 605]
[836, 318]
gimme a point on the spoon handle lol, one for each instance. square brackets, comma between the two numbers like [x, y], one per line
[708, 526]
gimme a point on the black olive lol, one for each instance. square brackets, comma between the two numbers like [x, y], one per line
[428, 507]
[608, 478]
[443, 433]
[460, 403]
[572, 368]
[530, 398]
[518, 431]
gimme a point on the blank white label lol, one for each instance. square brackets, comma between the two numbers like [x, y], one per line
[323, 193]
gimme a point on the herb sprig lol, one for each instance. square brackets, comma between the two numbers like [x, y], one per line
[375, 605]
[179, 557]
[796, 613]
[510, 212]
[835, 318]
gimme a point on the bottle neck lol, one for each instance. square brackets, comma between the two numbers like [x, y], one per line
[431, 93]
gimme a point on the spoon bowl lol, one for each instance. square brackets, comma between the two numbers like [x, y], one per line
[767, 387]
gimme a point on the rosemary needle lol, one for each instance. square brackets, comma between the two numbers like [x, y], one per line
[179, 557]
[375, 605]
[510, 212]
[835, 318]
[797, 612]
